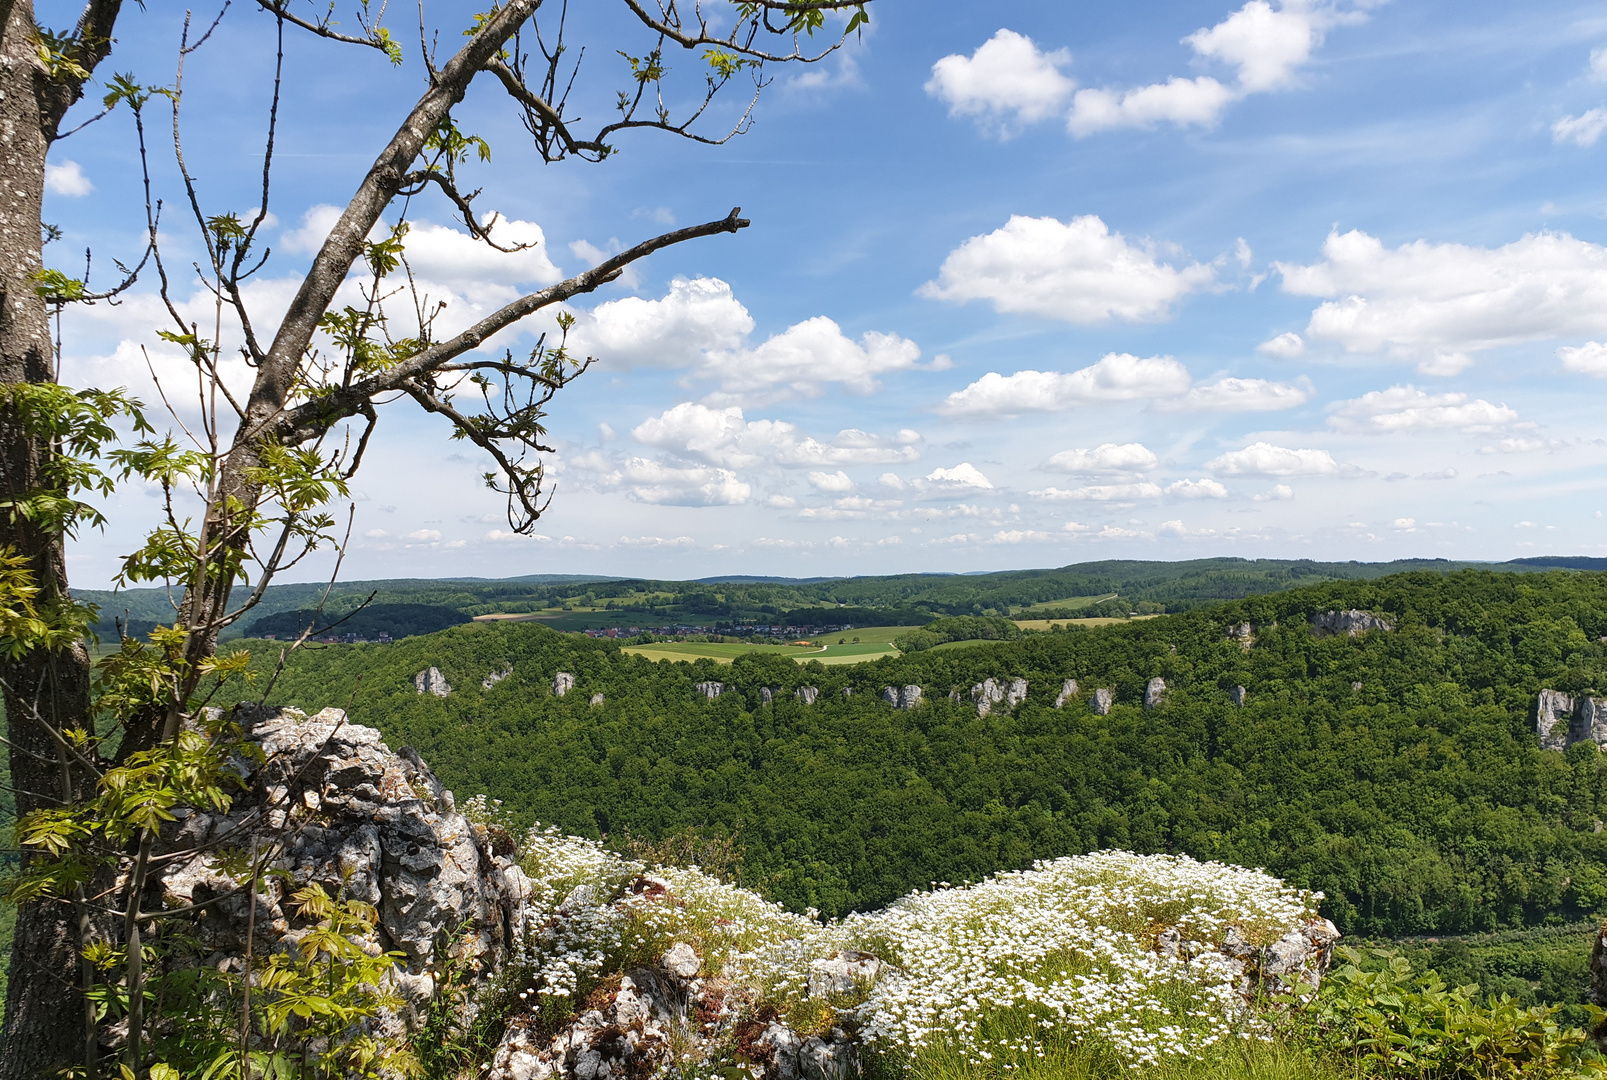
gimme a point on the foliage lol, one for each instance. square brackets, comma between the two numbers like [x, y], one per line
[1394, 1021]
[958, 628]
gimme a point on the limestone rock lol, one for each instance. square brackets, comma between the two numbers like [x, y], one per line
[495, 677]
[562, 683]
[1016, 694]
[807, 694]
[767, 695]
[902, 697]
[1068, 690]
[1101, 701]
[1553, 713]
[710, 690]
[431, 681]
[353, 816]
[1352, 622]
[596, 699]
[1590, 722]
[985, 695]
[842, 972]
[1237, 696]
[1243, 633]
[682, 960]
[1154, 692]
[848, 691]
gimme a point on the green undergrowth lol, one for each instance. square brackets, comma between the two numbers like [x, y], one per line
[1279, 1059]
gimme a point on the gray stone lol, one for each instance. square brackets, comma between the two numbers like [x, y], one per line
[431, 681]
[1068, 690]
[1016, 694]
[902, 697]
[1243, 633]
[596, 699]
[495, 677]
[1351, 623]
[1154, 692]
[833, 1057]
[1237, 696]
[806, 694]
[682, 960]
[710, 690]
[842, 973]
[986, 694]
[1101, 701]
[562, 683]
[1553, 711]
[1590, 722]
[766, 695]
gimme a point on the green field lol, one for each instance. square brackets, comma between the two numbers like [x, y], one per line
[847, 653]
[1069, 603]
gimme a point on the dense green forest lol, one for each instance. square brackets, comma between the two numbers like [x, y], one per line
[570, 602]
[1396, 771]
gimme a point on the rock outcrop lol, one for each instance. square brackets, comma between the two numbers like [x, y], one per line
[1100, 701]
[562, 683]
[902, 697]
[1300, 956]
[346, 812]
[1154, 692]
[1237, 695]
[1068, 691]
[596, 699]
[1561, 719]
[1351, 623]
[1243, 633]
[988, 693]
[807, 694]
[710, 690]
[495, 677]
[767, 695]
[431, 681]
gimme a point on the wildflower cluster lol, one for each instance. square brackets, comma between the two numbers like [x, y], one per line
[1068, 951]
[1070, 948]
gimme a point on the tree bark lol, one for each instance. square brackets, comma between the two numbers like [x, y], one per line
[43, 1028]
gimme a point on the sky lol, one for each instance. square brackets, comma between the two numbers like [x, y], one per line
[1027, 284]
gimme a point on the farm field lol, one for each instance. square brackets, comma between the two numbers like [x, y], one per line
[1073, 603]
[1045, 624]
[847, 653]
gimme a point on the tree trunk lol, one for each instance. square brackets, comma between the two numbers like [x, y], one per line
[43, 1022]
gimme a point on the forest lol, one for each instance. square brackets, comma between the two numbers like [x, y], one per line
[1396, 771]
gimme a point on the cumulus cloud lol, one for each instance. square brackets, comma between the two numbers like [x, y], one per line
[1437, 304]
[833, 482]
[700, 325]
[656, 541]
[724, 437]
[1266, 459]
[1244, 395]
[1107, 458]
[1597, 69]
[661, 483]
[1277, 492]
[1115, 377]
[1406, 408]
[963, 478]
[67, 178]
[1006, 83]
[1119, 377]
[1101, 492]
[1285, 346]
[1581, 130]
[1587, 359]
[1203, 488]
[1265, 46]
[1078, 271]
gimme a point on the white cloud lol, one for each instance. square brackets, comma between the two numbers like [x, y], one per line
[656, 541]
[1115, 377]
[961, 478]
[1265, 459]
[781, 502]
[662, 483]
[1277, 493]
[724, 437]
[1285, 346]
[1179, 101]
[440, 254]
[1405, 524]
[700, 325]
[1581, 130]
[1406, 408]
[1100, 493]
[1245, 395]
[1598, 64]
[1104, 459]
[67, 178]
[1265, 45]
[1587, 359]
[832, 482]
[1020, 536]
[1203, 488]
[1078, 271]
[1007, 82]
[423, 536]
[1438, 304]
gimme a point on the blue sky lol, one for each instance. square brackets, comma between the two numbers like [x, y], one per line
[1027, 284]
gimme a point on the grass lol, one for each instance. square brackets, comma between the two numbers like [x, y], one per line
[1045, 624]
[1239, 1060]
[1071, 603]
[849, 653]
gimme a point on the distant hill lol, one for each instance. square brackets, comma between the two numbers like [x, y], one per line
[1563, 562]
